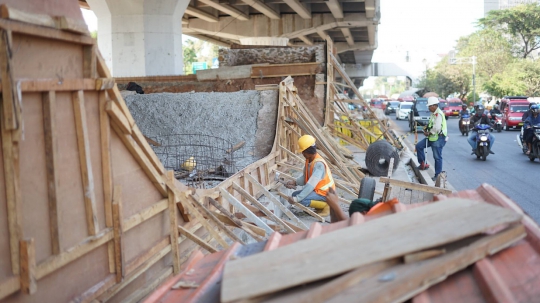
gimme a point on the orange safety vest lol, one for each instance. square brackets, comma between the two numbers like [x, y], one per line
[323, 185]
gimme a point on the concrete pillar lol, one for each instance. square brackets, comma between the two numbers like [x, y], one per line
[140, 37]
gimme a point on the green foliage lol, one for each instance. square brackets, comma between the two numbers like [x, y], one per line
[198, 51]
[519, 78]
[471, 97]
[521, 23]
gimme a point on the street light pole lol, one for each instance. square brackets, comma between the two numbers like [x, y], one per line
[473, 61]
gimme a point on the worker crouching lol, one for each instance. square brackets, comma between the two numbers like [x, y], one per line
[316, 179]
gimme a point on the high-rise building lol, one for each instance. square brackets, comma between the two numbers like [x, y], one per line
[504, 4]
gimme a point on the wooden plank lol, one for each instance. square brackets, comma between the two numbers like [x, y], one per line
[416, 186]
[83, 144]
[104, 83]
[72, 25]
[118, 117]
[302, 207]
[148, 151]
[10, 98]
[265, 210]
[255, 232]
[198, 216]
[274, 200]
[46, 85]
[89, 62]
[196, 239]
[111, 292]
[138, 295]
[284, 70]
[233, 221]
[450, 216]
[9, 286]
[119, 260]
[44, 32]
[141, 258]
[51, 154]
[238, 205]
[28, 266]
[106, 170]
[141, 158]
[327, 290]
[411, 279]
[213, 218]
[11, 13]
[173, 222]
[13, 194]
[55, 262]
[145, 214]
[423, 255]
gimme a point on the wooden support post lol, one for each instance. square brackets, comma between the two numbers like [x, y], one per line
[196, 239]
[302, 207]
[117, 227]
[243, 209]
[10, 98]
[276, 202]
[265, 210]
[89, 61]
[118, 117]
[28, 266]
[173, 221]
[86, 166]
[10, 153]
[238, 223]
[106, 170]
[49, 129]
[213, 218]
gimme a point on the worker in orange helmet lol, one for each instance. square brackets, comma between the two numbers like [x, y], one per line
[316, 178]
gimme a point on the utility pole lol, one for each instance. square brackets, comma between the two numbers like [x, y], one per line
[468, 60]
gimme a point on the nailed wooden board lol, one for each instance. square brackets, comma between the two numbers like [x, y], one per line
[360, 245]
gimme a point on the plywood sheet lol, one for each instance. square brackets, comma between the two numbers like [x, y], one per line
[33, 58]
[144, 236]
[91, 103]
[72, 219]
[68, 282]
[285, 267]
[138, 192]
[35, 203]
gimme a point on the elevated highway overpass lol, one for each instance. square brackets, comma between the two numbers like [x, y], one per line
[143, 37]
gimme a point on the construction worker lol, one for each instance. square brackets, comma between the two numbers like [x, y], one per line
[436, 134]
[316, 178]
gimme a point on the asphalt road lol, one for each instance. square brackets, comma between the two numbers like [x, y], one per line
[509, 169]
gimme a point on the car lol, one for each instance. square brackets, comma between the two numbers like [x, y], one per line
[419, 115]
[512, 109]
[377, 103]
[452, 108]
[403, 110]
[391, 107]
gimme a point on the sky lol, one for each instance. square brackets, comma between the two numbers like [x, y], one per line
[424, 28]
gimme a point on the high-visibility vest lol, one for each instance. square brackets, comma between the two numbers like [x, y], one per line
[435, 137]
[327, 182]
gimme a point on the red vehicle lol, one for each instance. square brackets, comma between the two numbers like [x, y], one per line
[377, 103]
[453, 107]
[513, 108]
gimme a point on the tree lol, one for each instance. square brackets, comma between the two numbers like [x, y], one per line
[190, 54]
[519, 78]
[520, 22]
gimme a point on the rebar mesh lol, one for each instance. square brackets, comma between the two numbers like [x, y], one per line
[201, 161]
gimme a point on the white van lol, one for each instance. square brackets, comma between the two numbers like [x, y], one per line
[403, 110]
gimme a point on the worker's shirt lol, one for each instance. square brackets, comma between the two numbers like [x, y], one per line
[314, 179]
[436, 125]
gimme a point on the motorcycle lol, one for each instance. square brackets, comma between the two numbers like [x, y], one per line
[535, 146]
[496, 119]
[482, 141]
[464, 125]
[520, 141]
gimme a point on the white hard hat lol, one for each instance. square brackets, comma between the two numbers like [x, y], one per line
[432, 100]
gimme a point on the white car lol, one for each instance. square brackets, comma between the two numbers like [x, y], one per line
[403, 110]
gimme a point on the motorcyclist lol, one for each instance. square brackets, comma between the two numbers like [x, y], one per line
[532, 119]
[464, 111]
[527, 113]
[495, 110]
[480, 118]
